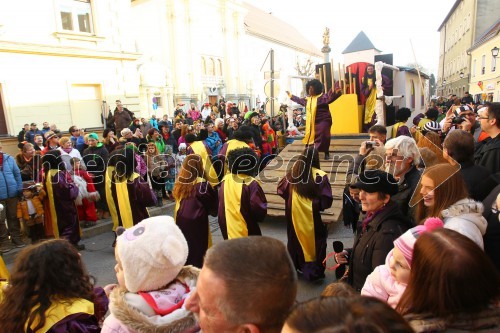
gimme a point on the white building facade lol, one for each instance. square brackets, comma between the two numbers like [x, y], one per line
[60, 59]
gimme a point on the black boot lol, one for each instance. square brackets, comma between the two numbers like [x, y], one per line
[327, 156]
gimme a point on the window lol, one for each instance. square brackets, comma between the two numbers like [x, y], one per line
[493, 63]
[483, 64]
[211, 67]
[220, 66]
[203, 66]
[474, 68]
[76, 15]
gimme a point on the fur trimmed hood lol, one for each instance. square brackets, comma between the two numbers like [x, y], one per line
[127, 309]
[465, 216]
[464, 206]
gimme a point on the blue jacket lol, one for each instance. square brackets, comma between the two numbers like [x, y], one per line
[30, 136]
[78, 143]
[154, 122]
[10, 178]
[211, 141]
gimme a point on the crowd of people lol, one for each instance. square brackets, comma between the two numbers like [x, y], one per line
[422, 202]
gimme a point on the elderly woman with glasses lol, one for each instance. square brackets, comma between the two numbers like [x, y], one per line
[383, 223]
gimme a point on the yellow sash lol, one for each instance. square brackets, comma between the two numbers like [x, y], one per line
[124, 200]
[109, 196]
[52, 207]
[232, 145]
[4, 272]
[370, 104]
[200, 149]
[58, 311]
[233, 187]
[395, 128]
[311, 107]
[303, 221]
[178, 205]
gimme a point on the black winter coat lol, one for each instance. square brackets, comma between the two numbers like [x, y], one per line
[372, 246]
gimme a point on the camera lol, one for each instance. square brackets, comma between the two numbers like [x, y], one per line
[457, 120]
[370, 144]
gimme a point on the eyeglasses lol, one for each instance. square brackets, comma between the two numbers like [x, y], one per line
[75, 130]
[485, 118]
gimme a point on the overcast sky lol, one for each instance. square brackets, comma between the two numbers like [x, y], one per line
[389, 24]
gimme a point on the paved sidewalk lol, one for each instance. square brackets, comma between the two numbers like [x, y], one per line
[100, 261]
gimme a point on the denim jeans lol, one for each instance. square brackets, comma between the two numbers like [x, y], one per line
[9, 212]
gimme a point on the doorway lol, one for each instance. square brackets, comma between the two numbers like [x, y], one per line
[3, 122]
[86, 107]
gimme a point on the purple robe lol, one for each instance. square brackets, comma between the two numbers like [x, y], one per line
[311, 270]
[64, 194]
[323, 121]
[253, 208]
[140, 196]
[83, 322]
[192, 218]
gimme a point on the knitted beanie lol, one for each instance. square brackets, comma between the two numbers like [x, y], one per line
[432, 126]
[152, 253]
[406, 241]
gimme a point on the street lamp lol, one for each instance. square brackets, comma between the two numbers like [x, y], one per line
[461, 75]
[494, 52]
[444, 82]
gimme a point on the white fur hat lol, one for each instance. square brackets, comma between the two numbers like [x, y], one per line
[152, 253]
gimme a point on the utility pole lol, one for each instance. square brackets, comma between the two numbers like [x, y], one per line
[272, 83]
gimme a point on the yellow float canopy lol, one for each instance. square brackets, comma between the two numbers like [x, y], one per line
[346, 115]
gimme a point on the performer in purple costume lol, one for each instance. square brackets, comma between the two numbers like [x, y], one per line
[318, 117]
[61, 196]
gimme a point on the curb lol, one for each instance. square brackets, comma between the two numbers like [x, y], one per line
[102, 227]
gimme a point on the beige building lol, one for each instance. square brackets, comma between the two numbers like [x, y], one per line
[59, 60]
[466, 20]
[198, 51]
[485, 75]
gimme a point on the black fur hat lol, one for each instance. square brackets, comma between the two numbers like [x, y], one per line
[243, 161]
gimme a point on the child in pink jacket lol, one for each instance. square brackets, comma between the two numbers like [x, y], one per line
[388, 282]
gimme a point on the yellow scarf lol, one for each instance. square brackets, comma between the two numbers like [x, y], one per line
[4, 272]
[370, 103]
[59, 310]
[311, 107]
[233, 187]
[232, 145]
[109, 197]
[200, 149]
[178, 205]
[303, 221]
[124, 200]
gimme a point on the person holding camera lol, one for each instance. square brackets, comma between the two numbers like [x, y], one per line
[463, 117]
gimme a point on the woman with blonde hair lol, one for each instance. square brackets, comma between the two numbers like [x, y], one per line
[443, 194]
[195, 199]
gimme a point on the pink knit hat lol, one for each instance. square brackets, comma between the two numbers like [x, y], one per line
[406, 241]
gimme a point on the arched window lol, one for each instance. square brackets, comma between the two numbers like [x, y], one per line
[219, 62]
[211, 67]
[412, 94]
[203, 66]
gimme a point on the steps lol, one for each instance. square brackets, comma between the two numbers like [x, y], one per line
[343, 148]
